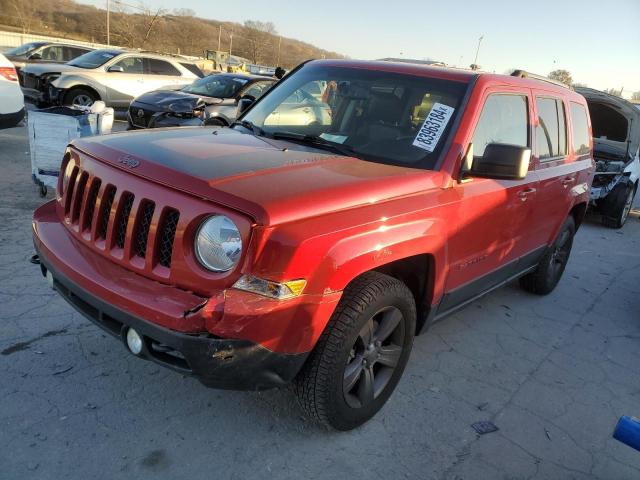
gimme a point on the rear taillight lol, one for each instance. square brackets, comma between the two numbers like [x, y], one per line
[9, 73]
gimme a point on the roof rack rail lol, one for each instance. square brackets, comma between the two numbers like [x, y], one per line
[525, 74]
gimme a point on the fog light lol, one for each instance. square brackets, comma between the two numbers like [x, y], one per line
[134, 341]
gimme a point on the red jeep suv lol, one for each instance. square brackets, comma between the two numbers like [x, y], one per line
[345, 211]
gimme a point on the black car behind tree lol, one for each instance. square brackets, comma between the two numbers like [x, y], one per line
[615, 124]
[212, 100]
[43, 52]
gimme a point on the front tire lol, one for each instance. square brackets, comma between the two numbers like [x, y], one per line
[79, 96]
[547, 274]
[361, 355]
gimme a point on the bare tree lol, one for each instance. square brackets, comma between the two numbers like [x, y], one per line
[259, 35]
[561, 76]
[25, 12]
[635, 96]
[613, 91]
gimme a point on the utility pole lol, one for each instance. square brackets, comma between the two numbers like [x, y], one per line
[108, 14]
[475, 62]
[230, 43]
[219, 37]
[279, 45]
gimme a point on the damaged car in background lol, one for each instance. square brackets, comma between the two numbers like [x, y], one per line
[616, 140]
[112, 75]
[212, 100]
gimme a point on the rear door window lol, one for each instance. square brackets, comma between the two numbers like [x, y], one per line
[72, 52]
[551, 131]
[504, 119]
[160, 67]
[580, 128]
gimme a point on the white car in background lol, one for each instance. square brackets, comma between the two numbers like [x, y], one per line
[112, 75]
[11, 99]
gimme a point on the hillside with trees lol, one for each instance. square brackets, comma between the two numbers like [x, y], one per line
[138, 26]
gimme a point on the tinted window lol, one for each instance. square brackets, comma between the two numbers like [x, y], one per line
[580, 129]
[94, 59]
[193, 68]
[53, 53]
[551, 129]
[160, 67]
[219, 86]
[257, 89]
[504, 119]
[130, 65]
[72, 52]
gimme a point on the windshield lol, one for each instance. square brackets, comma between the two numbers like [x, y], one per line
[219, 86]
[93, 59]
[386, 117]
[24, 49]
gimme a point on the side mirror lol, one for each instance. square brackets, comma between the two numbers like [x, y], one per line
[244, 103]
[115, 68]
[502, 161]
[35, 56]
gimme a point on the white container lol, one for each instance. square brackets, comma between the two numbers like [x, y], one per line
[50, 131]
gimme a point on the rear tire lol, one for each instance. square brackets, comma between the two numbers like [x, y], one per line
[617, 205]
[80, 97]
[361, 355]
[551, 267]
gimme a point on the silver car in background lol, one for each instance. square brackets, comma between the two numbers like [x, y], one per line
[112, 75]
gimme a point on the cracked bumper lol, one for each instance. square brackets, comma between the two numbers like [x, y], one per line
[171, 320]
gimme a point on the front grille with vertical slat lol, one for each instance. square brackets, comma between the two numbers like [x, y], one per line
[68, 194]
[167, 232]
[79, 195]
[144, 223]
[107, 203]
[92, 198]
[88, 203]
[123, 219]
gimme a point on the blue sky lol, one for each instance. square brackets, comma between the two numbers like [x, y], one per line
[597, 41]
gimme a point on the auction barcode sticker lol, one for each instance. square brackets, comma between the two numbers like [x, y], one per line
[433, 126]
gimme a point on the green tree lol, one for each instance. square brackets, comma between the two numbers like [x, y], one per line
[561, 76]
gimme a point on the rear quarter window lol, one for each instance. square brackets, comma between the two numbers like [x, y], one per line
[580, 128]
[193, 68]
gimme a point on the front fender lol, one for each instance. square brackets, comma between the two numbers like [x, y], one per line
[330, 260]
[67, 82]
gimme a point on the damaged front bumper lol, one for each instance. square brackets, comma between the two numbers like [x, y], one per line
[116, 300]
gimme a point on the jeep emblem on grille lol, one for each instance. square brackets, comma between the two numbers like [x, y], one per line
[129, 161]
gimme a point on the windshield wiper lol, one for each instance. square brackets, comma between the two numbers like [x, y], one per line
[256, 130]
[317, 142]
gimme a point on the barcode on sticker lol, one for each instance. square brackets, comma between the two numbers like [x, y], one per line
[433, 126]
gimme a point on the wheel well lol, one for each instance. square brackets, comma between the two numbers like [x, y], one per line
[417, 273]
[214, 120]
[578, 211]
[83, 87]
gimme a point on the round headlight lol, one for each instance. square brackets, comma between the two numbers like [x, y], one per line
[218, 244]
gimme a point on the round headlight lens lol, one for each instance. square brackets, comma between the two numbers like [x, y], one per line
[218, 244]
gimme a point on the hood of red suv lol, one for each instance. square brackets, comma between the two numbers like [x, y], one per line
[270, 180]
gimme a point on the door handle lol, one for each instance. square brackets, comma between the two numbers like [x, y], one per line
[567, 181]
[524, 194]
